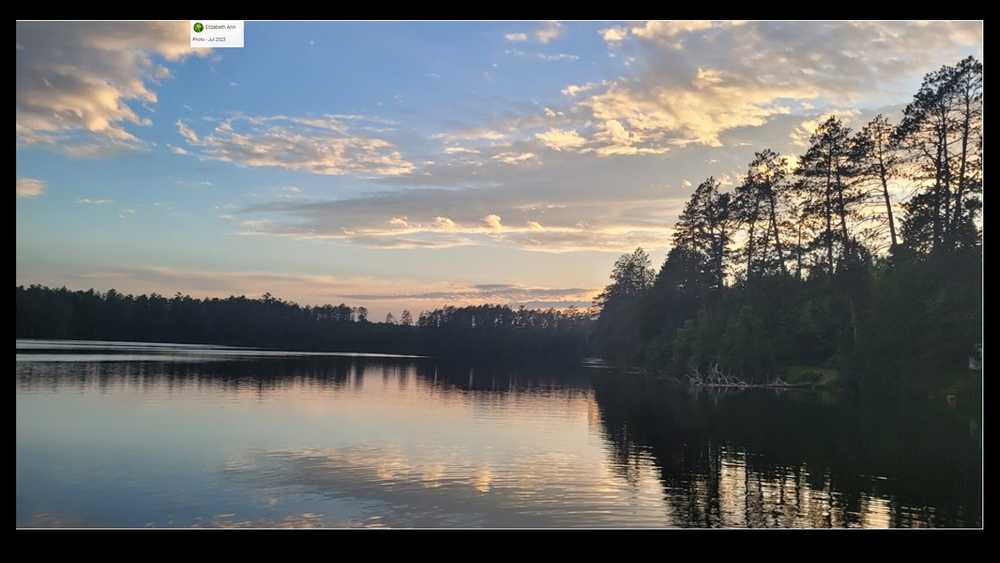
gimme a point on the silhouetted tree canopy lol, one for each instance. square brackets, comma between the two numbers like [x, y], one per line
[484, 333]
[808, 265]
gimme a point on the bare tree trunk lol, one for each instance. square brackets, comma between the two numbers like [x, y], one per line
[798, 252]
[767, 241]
[750, 245]
[829, 229]
[937, 197]
[888, 209]
[961, 169]
[885, 188]
[719, 255]
[946, 200]
[777, 240]
[842, 211]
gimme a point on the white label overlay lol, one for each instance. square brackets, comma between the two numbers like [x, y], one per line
[216, 34]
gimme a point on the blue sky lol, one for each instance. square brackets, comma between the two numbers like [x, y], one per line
[395, 164]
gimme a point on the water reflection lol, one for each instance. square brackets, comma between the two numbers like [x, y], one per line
[325, 441]
[791, 459]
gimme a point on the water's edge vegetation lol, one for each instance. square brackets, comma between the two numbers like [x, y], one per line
[804, 274]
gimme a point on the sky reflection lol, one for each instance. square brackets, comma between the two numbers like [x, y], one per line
[343, 442]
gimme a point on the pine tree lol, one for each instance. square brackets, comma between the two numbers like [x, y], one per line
[877, 158]
[761, 202]
[829, 187]
[706, 228]
[941, 132]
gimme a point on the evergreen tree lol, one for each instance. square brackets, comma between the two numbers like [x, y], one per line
[829, 188]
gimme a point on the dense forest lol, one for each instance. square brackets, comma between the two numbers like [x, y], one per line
[809, 262]
[861, 256]
[486, 333]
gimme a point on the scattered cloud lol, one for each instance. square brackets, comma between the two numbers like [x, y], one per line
[410, 219]
[736, 75]
[515, 157]
[573, 89]
[76, 81]
[605, 168]
[737, 88]
[503, 293]
[558, 57]
[493, 222]
[444, 224]
[460, 150]
[667, 29]
[614, 34]
[472, 134]
[545, 33]
[699, 112]
[550, 30]
[559, 139]
[326, 145]
[30, 187]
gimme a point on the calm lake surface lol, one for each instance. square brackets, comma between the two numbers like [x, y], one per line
[137, 435]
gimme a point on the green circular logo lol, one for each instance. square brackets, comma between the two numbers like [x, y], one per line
[198, 28]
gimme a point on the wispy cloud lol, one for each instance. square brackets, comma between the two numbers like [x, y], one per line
[325, 145]
[485, 293]
[195, 183]
[515, 157]
[408, 220]
[549, 57]
[471, 134]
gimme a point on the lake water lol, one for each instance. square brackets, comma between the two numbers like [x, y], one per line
[143, 435]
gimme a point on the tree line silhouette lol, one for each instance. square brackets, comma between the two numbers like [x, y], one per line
[486, 332]
[806, 262]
